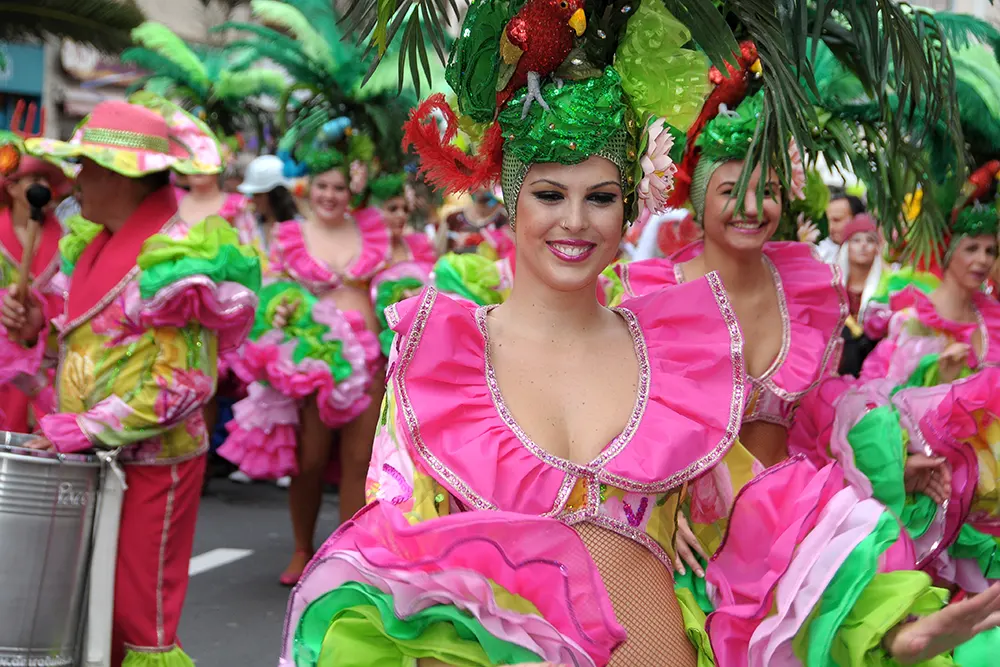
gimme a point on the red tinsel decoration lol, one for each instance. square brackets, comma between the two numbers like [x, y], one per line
[445, 165]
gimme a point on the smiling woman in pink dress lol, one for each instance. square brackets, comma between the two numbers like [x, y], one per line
[313, 363]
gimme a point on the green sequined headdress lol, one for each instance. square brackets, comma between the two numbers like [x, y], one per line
[621, 92]
[975, 211]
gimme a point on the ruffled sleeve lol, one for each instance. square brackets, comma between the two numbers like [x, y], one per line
[817, 308]
[200, 274]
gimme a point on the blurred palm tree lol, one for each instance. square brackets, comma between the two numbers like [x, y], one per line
[103, 24]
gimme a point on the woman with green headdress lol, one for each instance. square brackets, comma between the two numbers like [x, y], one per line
[532, 457]
[920, 429]
[313, 361]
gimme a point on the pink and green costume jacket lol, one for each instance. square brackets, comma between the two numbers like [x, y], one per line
[148, 310]
[465, 552]
[45, 281]
[322, 350]
[900, 406]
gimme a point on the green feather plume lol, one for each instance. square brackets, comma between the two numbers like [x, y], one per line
[160, 39]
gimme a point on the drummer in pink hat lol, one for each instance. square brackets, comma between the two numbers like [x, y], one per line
[151, 301]
[22, 409]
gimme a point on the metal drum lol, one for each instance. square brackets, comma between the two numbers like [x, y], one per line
[47, 506]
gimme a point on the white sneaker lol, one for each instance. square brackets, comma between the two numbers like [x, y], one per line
[240, 477]
[283, 482]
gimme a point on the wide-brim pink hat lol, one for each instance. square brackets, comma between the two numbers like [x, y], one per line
[128, 139]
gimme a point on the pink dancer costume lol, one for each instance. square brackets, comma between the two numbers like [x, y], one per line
[401, 281]
[323, 350]
[900, 406]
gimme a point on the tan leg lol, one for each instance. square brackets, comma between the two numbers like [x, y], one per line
[305, 495]
[356, 452]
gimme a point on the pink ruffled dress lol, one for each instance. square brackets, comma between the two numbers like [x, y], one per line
[401, 280]
[469, 549]
[324, 351]
[901, 406]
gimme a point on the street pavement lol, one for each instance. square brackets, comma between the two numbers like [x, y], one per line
[235, 607]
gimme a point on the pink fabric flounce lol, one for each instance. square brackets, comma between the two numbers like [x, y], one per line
[262, 434]
[795, 524]
[687, 417]
[813, 293]
[939, 419]
[227, 308]
[271, 360]
[290, 255]
[812, 429]
[65, 434]
[454, 559]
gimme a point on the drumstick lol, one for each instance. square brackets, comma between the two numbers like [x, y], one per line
[27, 259]
[38, 197]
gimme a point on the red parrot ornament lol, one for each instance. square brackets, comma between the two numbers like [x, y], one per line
[729, 90]
[534, 44]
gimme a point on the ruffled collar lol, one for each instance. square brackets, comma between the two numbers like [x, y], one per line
[468, 438]
[109, 261]
[811, 299]
[46, 260]
[375, 254]
[233, 205]
[987, 316]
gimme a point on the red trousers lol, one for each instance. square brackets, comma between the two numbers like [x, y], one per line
[159, 513]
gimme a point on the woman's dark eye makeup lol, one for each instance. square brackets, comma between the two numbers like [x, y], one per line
[552, 196]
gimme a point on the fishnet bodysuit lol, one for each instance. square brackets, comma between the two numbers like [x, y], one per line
[642, 594]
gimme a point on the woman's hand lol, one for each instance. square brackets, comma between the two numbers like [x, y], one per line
[944, 630]
[953, 361]
[685, 547]
[23, 321]
[41, 444]
[931, 477]
[807, 232]
[283, 313]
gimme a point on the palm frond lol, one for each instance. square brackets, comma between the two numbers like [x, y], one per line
[104, 24]
[961, 30]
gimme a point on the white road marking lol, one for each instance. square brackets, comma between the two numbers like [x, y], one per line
[216, 558]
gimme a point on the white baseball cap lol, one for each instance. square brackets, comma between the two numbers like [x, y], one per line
[264, 174]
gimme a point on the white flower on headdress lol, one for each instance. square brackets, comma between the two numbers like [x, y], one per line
[657, 168]
[359, 177]
[797, 186]
[410, 196]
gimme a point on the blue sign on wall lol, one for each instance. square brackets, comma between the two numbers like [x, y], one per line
[22, 68]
